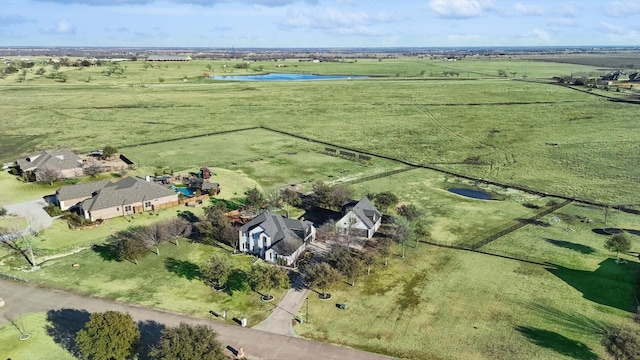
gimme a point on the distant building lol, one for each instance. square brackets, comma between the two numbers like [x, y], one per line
[169, 58]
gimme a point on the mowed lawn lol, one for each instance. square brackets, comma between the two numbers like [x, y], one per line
[39, 346]
[448, 304]
[167, 281]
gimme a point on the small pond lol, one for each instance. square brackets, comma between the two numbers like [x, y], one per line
[284, 77]
[475, 194]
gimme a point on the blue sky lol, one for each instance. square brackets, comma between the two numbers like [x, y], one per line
[319, 23]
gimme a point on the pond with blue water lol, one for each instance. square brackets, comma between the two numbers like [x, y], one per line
[284, 77]
[470, 193]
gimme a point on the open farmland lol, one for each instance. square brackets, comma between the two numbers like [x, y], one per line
[537, 135]
[436, 303]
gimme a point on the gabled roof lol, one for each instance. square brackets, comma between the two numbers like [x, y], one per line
[69, 192]
[126, 191]
[286, 234]
[366, 212]
[54, 159]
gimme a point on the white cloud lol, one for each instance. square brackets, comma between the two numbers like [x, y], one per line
[612, 29]
[538, 34]
[562, 22]
[530, 10]
[624, 8]
[351, 23]
[62, 27]
[460, 9]
[463, 38]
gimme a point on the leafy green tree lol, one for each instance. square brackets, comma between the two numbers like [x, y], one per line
[108, 152]
[622, 344]
[266, 278]
[291, 198]
[384, 200]
[216, 226]
[129, 245]
[321, 275]
[215, 272]
[619, 243]
[108, 335]
[255, 200]
[188, 342]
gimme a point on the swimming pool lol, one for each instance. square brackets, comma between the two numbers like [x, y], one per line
[185, 191]
[284, 77]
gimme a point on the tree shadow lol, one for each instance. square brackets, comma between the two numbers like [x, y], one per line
[150, 332]
[64, 325]
[237, 281]
[106, 251]
[583, 249]
[533, 222]
[182, 268]
[574, 321]
[559, 343]
[611, 284]
[615, 231]
[189, 216]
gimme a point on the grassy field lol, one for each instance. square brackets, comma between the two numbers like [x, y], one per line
[447, 304]
[272, 159]
[436, 303]
[538, 135]
[39, 346]
[572, 237]
[169, 281]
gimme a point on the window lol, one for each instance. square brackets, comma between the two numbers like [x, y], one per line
[127, 208]
[147, 204]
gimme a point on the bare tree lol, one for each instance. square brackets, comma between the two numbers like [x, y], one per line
[47, 174]
[152, 235]
[329, 230]
[177, 228]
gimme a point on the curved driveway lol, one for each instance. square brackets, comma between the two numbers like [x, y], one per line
[258, 345]
[34, 213]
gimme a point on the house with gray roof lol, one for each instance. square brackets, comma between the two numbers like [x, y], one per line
[61, 163]
[127, 196]
[69, 196]
[276, 239]
[360, 219]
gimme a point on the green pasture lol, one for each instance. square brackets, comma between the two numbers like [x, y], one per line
[448, 304]
[269, 158]
[538, 135]
[572, 236]
[452, 218]
[169, 281]
[39, 346]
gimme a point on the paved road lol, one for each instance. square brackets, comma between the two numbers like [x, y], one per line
[33, 211]
[279, 321]
[258, 345]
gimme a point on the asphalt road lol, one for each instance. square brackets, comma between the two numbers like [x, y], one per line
[23, 298]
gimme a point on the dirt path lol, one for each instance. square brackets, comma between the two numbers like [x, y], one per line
[23, 299]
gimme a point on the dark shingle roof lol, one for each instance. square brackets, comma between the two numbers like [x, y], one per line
[366, 212]
[126, 191]
[68, 192]
[286, 234]
[54, 159]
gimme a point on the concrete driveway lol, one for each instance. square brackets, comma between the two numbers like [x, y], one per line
[34, 213]
[279, 321]
[23, 299]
